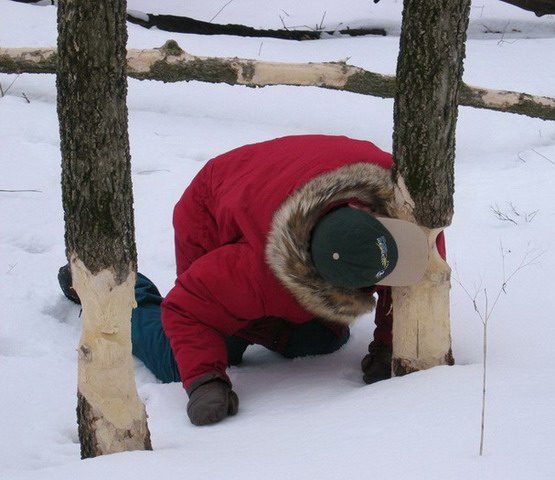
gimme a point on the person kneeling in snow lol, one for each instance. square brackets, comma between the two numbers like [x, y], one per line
[283, 244]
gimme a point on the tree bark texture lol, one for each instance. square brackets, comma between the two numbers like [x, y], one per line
[172, 64]
[429, 72]
[98, 212]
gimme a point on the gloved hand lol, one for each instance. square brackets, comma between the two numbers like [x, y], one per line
[211, 402]
[64, 279]
[376, 365]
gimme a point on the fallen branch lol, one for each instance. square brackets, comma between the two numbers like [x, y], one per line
[539, 7]
[173, 23]
[172, 64]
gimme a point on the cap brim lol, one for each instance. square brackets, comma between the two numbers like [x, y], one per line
[412, 249]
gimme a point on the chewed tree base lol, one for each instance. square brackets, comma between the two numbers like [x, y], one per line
[110, 415]
[402, 366]
[94, 430]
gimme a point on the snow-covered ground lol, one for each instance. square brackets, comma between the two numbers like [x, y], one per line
[313, 417]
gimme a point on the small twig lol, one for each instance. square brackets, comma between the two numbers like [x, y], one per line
[17, 191]
[503, 264]
[526, 217]
[220, 11]
[484, 371]
[514, 209]
[25, 97]
[283, 22]
[310, 28]
[148, 172]
[3, 92]
[530, 216]
[260, 48]
[481, 8]
[338, 26]
[489, 30]
[320, 27]
[502, 39]
[526, 262]
[501, 215]
[500, 42]
[485, 316]
[472, 298]
[543, 156]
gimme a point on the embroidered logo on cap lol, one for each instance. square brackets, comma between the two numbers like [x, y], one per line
[382, 245]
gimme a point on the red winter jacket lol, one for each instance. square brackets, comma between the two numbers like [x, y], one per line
[242, 233]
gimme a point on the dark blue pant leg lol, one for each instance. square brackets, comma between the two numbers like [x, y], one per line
[235, 348]
[315, 337]
[150, 344]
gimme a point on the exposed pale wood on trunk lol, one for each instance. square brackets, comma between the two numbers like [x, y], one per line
[421, 327]
[171, 64]
[98, 212]
[429, 72]
[111, 416]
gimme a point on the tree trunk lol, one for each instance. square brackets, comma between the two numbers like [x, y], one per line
[429, 72]
[98, 211]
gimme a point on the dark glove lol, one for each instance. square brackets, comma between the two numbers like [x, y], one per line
[211, 402]
[376, 365]
[64, 279]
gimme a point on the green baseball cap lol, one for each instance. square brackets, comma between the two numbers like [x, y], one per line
[352, 248]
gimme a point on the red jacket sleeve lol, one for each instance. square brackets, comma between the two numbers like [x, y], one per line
[214, 298]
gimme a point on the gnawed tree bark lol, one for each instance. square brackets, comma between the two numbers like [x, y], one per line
[172, 64]
[98, 212]
[429, 72]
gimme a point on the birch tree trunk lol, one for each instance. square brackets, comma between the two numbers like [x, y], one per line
[429, 72]
[98, 212]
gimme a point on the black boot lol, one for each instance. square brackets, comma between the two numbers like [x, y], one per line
[64, 279]
[376, 365]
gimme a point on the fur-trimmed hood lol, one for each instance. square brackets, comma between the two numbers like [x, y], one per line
[288, 247]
